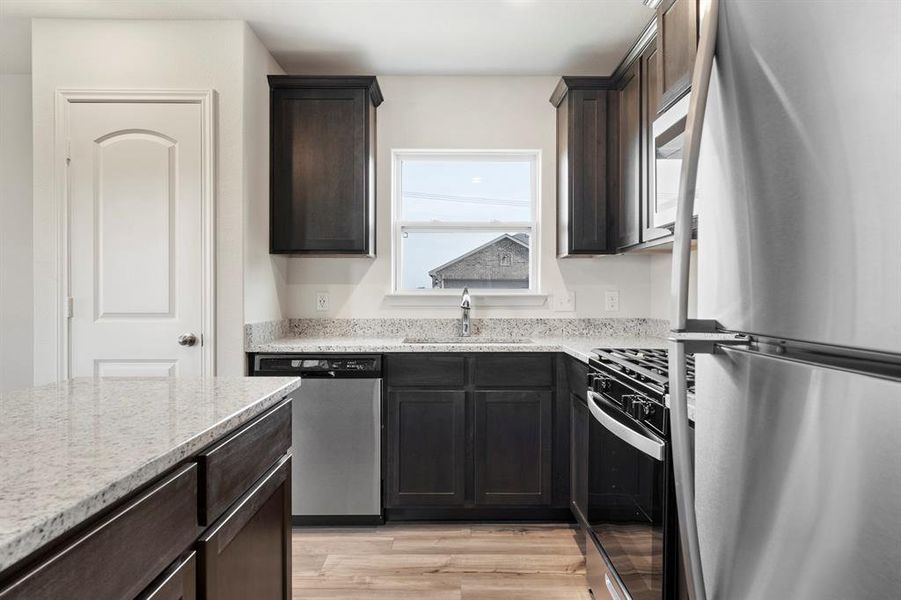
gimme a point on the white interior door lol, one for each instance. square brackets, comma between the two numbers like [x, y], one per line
[135, 238]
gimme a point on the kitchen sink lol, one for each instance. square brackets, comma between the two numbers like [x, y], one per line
[466, 340]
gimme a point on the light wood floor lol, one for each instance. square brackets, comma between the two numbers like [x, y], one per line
[439, 562]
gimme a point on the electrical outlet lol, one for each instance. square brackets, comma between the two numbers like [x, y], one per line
[322, 301]
[565, 302]
[611, 300]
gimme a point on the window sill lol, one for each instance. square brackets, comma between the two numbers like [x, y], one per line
[452, 298]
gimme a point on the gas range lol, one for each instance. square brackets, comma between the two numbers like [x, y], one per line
[629, 504]
[647, 369]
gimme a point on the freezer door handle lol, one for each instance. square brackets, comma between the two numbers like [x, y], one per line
[637, 436]
[683, 466]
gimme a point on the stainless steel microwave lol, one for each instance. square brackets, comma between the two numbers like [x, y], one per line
[669, 139]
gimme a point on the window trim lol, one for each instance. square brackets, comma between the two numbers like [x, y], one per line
[532, 226]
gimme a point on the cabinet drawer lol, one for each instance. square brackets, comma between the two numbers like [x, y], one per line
[124, 553]
[519, 370]
[179, 582]
[230, 468]
[411, 370]
[577, 377]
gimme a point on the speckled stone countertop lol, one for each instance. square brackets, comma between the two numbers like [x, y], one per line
[691, 405]
[576, 337]
[579, 347]
[68, 450]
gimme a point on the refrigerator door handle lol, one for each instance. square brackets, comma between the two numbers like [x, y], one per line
[643, 441]
[682, 456]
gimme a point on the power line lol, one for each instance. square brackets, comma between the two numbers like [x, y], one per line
[466, 199]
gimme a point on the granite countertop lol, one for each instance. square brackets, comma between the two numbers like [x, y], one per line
[577, 346]
[690, 402]
[71, 449]
[574, 336]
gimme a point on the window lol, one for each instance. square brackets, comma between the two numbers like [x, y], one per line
[465, 219]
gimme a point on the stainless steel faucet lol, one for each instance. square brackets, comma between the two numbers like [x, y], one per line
[465, 304]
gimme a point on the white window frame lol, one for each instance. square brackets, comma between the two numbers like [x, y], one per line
[531, 226]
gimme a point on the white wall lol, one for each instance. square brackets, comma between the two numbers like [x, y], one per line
[15, 232]
[471, 113]
[265, 275]
[661, 276]
[115, 54]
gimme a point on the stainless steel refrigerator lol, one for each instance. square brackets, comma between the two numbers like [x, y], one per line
[793, 156]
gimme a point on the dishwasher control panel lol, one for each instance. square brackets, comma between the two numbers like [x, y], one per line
[318, 366]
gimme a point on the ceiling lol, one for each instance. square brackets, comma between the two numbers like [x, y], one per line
[384, 37]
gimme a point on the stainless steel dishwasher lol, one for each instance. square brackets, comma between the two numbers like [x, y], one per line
[336, 436]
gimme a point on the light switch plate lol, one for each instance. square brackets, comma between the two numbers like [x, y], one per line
[322, 301]
[611, 300]
[564, 302]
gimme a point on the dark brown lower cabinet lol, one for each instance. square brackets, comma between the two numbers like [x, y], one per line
[178, 582]
[579, 456]
[513, 440]
[247, 552]
[426, 451]
[475, 436]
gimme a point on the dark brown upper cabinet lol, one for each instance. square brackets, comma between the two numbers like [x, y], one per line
[322, 164]
[630, 146]
[636, 103]
[584, 223]
[677, 43]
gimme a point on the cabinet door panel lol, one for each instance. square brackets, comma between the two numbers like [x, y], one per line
[630, 158]
[579, 456]
[677, 39]
[319, 195]
[426, 447]
[247, 553]
[584, 129]
[513, 447]
[588, 204]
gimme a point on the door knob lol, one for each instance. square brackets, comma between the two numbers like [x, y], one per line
[187, 339]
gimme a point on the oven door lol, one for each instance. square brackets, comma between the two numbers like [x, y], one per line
[627, 501]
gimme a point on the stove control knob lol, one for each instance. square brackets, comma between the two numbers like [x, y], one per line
[599, 383]
[640, 408]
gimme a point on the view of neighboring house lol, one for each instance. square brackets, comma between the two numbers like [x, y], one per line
[501, 263]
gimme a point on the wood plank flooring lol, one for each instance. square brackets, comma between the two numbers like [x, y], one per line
[412, 561]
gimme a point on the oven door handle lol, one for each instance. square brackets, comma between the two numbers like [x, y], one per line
[638, 436]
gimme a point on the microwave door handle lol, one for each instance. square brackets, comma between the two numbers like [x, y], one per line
[682, 456]
[646, 442]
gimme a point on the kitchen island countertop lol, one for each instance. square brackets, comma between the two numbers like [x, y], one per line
[71, 449]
